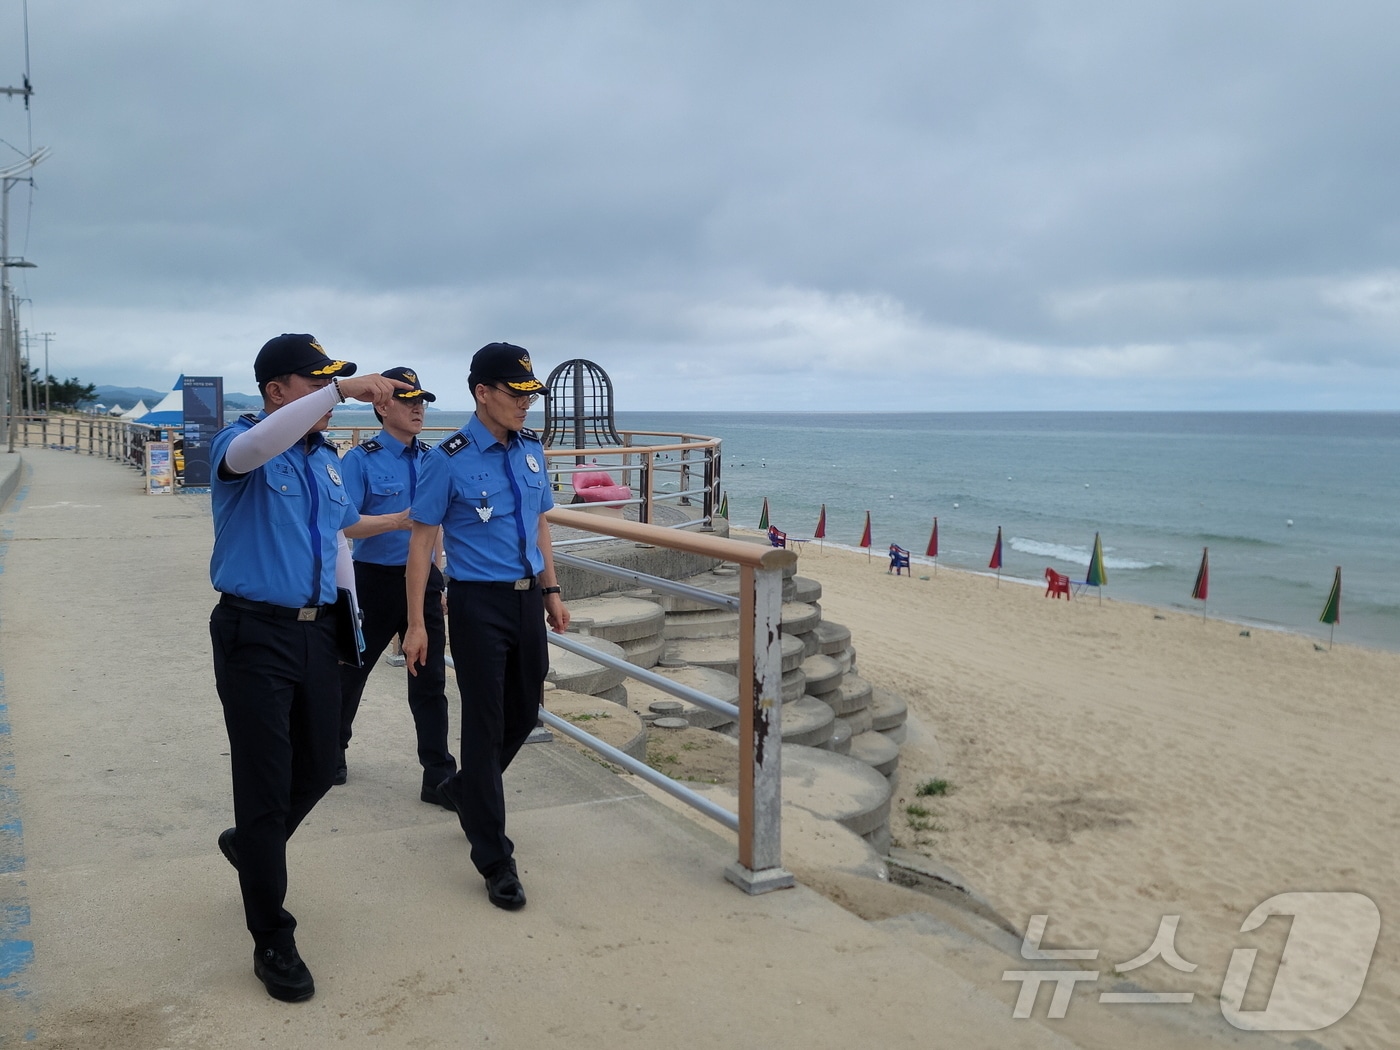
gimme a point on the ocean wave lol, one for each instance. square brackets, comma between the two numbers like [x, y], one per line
[1075, 555]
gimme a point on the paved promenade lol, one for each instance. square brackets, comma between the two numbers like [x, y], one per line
[122, 924]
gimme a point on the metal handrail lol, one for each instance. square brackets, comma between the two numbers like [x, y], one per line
[641, 674]
[758, 868]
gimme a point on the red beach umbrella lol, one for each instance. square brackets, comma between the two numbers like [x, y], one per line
[995, 563]
[932, 551]
[819, 533]
[865, 536]
[1202, 587]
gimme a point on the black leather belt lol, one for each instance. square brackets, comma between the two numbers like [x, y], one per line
[527, 583]
[280, 612]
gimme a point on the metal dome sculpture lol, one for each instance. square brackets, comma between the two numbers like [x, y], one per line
[578, 413]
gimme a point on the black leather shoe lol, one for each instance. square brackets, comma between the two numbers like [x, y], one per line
[228, 848]
[283, 974]
[448, 797]
[504, 889]
[342, 773]
[434, 796]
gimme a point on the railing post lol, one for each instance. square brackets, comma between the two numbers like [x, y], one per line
[647, 474]
[707, 505]
[760, 864]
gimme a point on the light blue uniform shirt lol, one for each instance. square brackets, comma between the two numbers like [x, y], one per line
[381, 476]
[275, 527]
[488, 497]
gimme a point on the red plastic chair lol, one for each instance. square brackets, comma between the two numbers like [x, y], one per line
[1056, 583]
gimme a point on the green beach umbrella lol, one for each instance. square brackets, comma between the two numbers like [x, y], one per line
[1332, 613]
[1097, 577]
[763, 518]
[724, 506]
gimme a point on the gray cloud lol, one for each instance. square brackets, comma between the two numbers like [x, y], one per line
[780, 205]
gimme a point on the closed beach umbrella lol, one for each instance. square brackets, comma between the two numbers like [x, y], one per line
[1332, 613]
[819, 533]
[865, 536]
[1202, 587]
[763, 518]
[1096, 577]
[995, 563]
[724, 506]
[932, 551]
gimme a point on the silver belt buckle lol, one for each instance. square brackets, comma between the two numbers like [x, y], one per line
[305, 615]
[523, 585]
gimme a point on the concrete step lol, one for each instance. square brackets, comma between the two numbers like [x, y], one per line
[840, 741]
[836, 787]
[617, 618]
[832, 638]
[704, 623]
[800, 617]
[898, 734]
[804, 589]
[876, 751]
[809, 643]
[852, 696]
[859, 721]
[644, 652]
[846, 659]
[794, 685]
[806, 721]
[609, 722]
[887, 710]
[580, 675]
[823, 675]
[723, 653]
[719, 684]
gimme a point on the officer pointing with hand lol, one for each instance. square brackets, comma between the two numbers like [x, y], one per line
[279, 557]
[487, 487]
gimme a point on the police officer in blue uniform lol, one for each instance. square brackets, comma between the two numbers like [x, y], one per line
[381, 477]
[487, 487]
[279, 505]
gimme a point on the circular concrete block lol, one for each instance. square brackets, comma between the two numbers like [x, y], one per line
[859, 721]
[887, 710]
[898, 734]
[666, 708]
[840, 741]
[835, 787]
[644, 652]
[807, 721]
[618, 618]
[805, 589]
[703, 623]
[581, 675]
[794, 685]
[607, 721]
[876, 751]
[718, 684]
[722, 654]
[671, 723]
[832, 638]
[853, 695]
[823, 674]
[809, 643]
[717, 580]
[799, 617]
[792, 652]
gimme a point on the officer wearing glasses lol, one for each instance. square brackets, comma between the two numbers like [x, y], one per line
[487, 487]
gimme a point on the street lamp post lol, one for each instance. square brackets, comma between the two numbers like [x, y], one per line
[8, 177]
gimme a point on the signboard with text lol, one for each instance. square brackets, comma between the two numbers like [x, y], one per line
[204, 416]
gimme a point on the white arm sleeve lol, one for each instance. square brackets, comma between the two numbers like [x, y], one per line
[345, 568]
[279, 431]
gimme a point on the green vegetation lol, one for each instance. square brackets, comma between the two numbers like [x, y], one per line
[933, 787]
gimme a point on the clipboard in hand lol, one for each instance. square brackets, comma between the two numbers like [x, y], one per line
[349, 639]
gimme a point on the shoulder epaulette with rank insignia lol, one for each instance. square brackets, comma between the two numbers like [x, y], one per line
[371, 445]
[455, 443]
[422, 446]
[526, 432]
[250, 417]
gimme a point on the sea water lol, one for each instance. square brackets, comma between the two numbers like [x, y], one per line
[1280, 499]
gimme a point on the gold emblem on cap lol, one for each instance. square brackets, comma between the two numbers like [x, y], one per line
[525, 363]
[319, 349]
[330, 369]
[410, 377]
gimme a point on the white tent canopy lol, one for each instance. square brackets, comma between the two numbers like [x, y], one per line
[136, 411]
[171, 410]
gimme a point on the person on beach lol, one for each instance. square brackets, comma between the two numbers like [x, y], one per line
[487, 487]
[279, 557]
[381, 476]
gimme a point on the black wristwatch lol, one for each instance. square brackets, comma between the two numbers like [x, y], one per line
[550, 590]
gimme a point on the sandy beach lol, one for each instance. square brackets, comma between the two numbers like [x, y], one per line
[1112, 764]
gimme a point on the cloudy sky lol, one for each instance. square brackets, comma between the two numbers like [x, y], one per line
[933, 204]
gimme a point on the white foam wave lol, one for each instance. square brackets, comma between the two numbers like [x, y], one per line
[1074, 555]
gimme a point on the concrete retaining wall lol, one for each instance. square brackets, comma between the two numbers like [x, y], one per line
[11, 470]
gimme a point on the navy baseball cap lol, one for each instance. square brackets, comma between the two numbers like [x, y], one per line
[296, 355]
[504, 363]
[407, 375]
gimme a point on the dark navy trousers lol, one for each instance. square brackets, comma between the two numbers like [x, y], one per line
[501, 656]
[380, 589]
[280, 688]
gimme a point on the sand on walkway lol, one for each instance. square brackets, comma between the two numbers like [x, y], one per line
[1113, 764]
